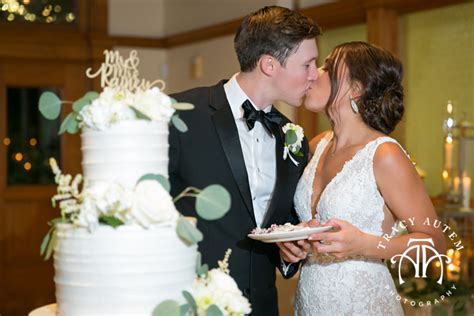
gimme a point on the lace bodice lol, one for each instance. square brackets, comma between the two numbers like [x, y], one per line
[350, 286]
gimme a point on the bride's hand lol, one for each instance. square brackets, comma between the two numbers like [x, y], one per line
[346, 241]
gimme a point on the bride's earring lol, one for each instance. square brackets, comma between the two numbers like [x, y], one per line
[354, 106]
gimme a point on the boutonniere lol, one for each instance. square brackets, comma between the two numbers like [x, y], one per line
[293, 138]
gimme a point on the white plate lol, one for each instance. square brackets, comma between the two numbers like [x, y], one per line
[289, 236]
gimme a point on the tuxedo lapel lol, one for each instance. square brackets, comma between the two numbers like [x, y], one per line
[229, 138]
[281, 177]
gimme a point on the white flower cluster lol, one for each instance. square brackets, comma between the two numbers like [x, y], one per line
[145, 204]
[113, 106]
[219, 288]
[293, 145]
[296, 146]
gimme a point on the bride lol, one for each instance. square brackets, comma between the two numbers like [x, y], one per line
[360, 181]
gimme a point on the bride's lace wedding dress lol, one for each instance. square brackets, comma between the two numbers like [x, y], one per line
[355, 285]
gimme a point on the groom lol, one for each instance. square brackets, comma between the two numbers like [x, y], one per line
[235, 139]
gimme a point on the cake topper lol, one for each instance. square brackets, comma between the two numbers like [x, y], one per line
[122, 75]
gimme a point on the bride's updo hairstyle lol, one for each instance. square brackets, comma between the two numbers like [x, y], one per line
[378, 73]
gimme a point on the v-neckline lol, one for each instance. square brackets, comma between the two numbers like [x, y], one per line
[338, 174]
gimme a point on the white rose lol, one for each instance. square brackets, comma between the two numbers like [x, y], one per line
[152, 204]
[299, 133]
[240, 304]
[222, 281]
[154, 104]
[110, 107]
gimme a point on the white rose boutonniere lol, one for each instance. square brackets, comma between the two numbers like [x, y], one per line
[293, 141]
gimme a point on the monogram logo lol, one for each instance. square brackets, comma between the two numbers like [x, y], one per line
[422, 260]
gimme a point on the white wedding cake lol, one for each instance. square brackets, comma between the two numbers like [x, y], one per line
[129, 269]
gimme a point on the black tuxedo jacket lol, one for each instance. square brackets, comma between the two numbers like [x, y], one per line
[210, 153]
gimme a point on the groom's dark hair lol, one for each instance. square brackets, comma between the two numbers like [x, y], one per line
[273, 30]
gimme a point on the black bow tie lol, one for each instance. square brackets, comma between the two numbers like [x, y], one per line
[267, 119]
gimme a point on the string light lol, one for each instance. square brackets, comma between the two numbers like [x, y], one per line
[18, 156]
[27, 166]
[6, 141]
[33, 142]
[49, 12]
[70, 17]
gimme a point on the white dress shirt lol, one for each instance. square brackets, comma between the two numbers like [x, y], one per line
[258, 147]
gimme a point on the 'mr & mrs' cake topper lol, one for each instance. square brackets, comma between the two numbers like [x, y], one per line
[122, 75]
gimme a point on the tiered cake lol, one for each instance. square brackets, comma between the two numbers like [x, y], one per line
[129, 269]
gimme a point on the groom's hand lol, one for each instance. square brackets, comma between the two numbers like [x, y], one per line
[294, 251]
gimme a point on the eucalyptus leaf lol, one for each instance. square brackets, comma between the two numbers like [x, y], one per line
[140, 115]
[179, 124]
[157, 177]
[299, 154]
[73, 125]
[79, 104]
[90, 96]
[213, 202]
[290, 137]
[191, 302]
[70, 124]
[45, 241]
[49, 105]
[198, 262]
[188, 232]
[167, 308]
[213, 310]
[173, 100]
[182, 106]
[203, 270]
[184, 310]
[51, 245]
[110, 220]
[57, 220]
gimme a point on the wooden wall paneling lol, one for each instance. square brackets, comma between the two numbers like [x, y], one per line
[3, 133]
[40, 55]
[27, 280]
[337, 14]
[3, 181]
[76, 84]
[97, 13]
[383, 29]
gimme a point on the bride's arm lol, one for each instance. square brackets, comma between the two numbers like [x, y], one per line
[406, 197]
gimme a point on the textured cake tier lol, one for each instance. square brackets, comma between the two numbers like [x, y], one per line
[124, 271]
[125, 151]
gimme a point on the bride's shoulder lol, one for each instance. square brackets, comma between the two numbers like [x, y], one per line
[390, 154]
[317, 139]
